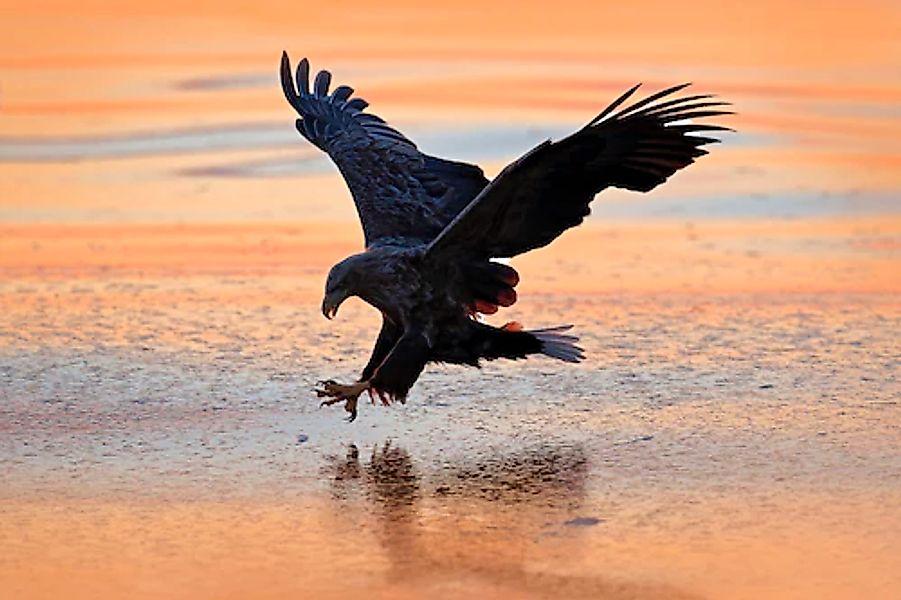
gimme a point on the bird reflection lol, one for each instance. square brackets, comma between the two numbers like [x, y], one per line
[391, 484]
[476, 522]
[473, 524]
[552, 474]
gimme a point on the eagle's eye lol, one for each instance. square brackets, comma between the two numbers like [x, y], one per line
[337, 280]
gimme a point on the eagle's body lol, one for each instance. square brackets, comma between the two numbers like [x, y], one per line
[428, 306]
[432, 226]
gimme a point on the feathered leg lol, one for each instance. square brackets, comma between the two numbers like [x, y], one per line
[390, 381]
[388, 338]
[400, 370]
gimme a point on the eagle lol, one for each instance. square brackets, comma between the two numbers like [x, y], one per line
[434, 228]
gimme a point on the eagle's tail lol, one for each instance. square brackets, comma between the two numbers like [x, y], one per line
[556, 344]
[512, 341]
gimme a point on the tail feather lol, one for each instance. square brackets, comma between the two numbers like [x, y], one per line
[556, 344]
[511, 341]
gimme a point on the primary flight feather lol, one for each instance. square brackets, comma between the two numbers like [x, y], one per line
[432, 226]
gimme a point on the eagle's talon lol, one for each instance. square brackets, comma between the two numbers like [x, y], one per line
[337, 392]
[385, 398]
[329, 402]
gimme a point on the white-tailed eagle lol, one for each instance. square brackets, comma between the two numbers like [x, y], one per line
[432, 226]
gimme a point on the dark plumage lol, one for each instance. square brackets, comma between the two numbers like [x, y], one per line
[432, 226]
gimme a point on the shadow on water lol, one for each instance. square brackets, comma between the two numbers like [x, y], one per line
[489, 524]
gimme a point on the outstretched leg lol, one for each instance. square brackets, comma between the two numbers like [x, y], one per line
[388, 337]
[391, 380]
[400, 370]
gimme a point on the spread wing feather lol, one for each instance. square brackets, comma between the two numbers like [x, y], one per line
[399, 192]
[549, 189]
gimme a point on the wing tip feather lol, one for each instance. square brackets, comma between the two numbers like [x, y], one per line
[322, 82]
[613, 105]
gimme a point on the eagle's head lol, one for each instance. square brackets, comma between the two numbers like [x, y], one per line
[343, 282]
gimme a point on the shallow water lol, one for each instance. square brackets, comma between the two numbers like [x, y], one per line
[160, 437]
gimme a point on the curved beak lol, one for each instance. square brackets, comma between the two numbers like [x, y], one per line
[331, 302]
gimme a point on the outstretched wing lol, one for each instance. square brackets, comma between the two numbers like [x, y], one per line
[399, 192]
[549, 189]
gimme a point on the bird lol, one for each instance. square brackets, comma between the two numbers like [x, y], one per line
[436, 230]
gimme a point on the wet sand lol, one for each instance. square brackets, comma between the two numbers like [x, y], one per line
[734, 432]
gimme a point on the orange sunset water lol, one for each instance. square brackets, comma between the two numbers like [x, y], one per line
[734, 431]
